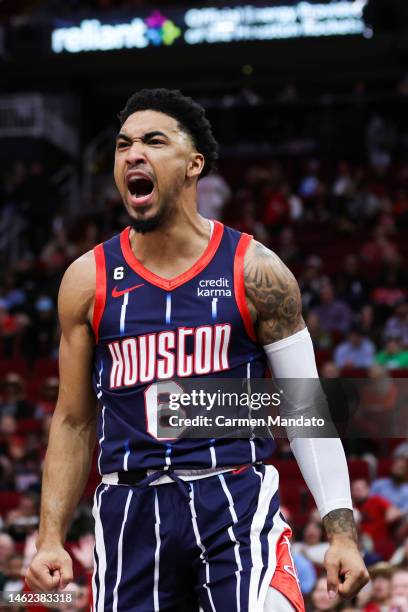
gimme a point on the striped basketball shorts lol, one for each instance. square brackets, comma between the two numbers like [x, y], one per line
[214, 543]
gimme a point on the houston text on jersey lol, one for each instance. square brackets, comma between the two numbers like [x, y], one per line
[163, 355]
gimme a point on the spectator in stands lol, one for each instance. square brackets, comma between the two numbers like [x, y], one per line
[320, 338]
[247, 222]
[352, 285]
[7, 549]
[401, 450]
[11, 328]
[311, 281]
[380, 250]
[213, 193]
[24, 519]
[397, 324]
[388, 290]
[21, 458]
[58, 251]
[88, 237]
[329, 370]
[14, 296]
[288, 249]
[368, 324]
[312, 190]
[334, 313]
[23, 453]
[381, 138]
[343, 187]
[320, 598]
[49, 395]
[13, 397]
[380, 586]
[312, 545]
[355, 352]
[394, 487]
[276, 209]
[13, 578]
[376, 516]
[399, 591]
[379, 396]
[393, 356]
[8, 426]
[295, 203]
[7, 476]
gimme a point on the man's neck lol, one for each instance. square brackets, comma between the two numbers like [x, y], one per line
[182, 237]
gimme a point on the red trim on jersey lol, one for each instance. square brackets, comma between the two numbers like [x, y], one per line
[239, 285]
[100, 289]
[285, 577]
[172, 283]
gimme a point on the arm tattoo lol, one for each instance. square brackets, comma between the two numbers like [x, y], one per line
[273, 295]
[340, 522]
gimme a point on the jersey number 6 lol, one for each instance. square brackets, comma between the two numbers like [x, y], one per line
[158, 412]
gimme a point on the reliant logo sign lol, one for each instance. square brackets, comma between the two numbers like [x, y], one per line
[211, 25]
[92, 35]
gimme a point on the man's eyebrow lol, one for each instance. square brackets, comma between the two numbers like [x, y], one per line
[145, 137]
[154, 133]
[122, 136]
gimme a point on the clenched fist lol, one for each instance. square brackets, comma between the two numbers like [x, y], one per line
[51, 569]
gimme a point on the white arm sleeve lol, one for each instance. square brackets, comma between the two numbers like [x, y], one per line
[321, 460]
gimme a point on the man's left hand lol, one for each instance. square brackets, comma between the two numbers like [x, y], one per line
[346, 571]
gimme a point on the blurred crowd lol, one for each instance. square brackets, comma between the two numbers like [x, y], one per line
[342, 228]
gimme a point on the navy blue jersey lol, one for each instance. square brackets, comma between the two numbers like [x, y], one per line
[150, 330]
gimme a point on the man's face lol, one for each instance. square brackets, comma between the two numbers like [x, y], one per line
[399, 469]
[154, 160]
[326, 294]
[359, 490]
[312, 534]
[355, 339]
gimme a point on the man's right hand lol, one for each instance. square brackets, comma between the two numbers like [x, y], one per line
[51, 569]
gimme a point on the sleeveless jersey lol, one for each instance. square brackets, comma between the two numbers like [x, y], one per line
[148, 330]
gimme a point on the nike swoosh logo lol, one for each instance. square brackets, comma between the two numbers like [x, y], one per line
[116, 293]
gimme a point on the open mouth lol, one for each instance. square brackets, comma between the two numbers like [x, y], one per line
[140, 188]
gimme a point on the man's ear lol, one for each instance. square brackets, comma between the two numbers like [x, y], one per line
[195, 165]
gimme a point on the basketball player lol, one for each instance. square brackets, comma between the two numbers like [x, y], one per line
[191, 522]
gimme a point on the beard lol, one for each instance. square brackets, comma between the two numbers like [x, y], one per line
[144, 226]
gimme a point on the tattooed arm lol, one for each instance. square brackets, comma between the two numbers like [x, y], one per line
[274, 302]
[273, 295]
[340, 523]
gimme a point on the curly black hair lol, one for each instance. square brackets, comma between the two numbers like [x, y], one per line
[189, 115]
